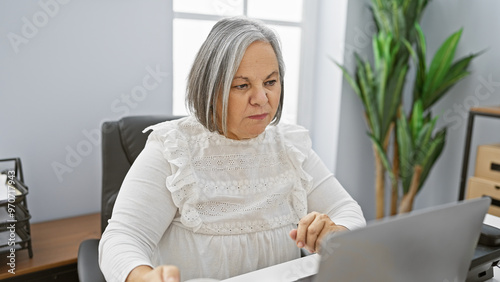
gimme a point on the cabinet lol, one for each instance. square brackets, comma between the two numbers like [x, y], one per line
[493, 112]
[15, 234]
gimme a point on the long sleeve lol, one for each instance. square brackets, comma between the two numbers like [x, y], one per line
[143, 211]
[328, 196]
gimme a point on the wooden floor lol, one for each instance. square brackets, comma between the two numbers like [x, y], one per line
[55, 243]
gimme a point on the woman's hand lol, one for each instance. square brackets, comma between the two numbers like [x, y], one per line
[162, 273]
[311, 230]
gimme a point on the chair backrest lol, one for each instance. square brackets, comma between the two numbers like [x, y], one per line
[122, 141]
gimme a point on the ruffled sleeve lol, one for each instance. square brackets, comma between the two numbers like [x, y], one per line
[298, 144]
[180, 183]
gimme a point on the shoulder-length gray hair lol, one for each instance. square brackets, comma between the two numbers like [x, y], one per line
[216, 64]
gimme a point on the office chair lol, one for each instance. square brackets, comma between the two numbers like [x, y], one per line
[122, 141]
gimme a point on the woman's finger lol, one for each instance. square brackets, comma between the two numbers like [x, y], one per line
[293, 234]
[326, 230]
[314, 230]
[302, 229]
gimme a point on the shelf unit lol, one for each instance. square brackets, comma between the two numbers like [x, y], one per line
[15, 233]
[493, 112]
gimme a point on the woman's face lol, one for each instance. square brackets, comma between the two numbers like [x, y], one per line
[255, 93]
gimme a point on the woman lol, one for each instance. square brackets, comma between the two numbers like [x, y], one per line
[226, 190]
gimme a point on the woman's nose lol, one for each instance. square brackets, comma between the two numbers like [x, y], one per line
[259, 96]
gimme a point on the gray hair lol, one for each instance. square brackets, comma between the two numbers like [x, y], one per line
[216, 64]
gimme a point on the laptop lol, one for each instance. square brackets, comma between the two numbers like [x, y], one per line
[435, 244]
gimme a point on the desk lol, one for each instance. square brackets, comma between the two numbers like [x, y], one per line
[306, 266]
[55, 250]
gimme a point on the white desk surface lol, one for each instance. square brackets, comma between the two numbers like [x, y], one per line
[306, 266]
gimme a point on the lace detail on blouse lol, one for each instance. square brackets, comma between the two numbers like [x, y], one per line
[246, 186]
[239, 162]
[223, 186]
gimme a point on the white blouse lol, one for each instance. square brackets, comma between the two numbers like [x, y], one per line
[217, 207]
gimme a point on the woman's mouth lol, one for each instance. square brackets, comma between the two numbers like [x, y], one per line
[258, 117]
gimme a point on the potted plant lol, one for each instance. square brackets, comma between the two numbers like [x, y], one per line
[416, 146]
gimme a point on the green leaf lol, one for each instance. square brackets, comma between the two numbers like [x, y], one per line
[383, 156]
[457, 72]
[377, 56]
[396, 22]
[405, 149]
[413, 12]
[349, 79]
[416, 119]
[426, 132]
[394, 95]
[422, 66]
[461, 65]
[361, 80]
[368, 99]
[421, 6]
[383, 71]
[380, 16]
[441, 64]
[432, 153]
[410, 50]
[421, 43]
[369, 73]
[439, 92]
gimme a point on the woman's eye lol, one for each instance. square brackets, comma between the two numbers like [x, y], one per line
[271, 82]
[241, 86]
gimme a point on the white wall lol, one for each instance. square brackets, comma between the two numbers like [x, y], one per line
[65, 67]
[355, 157]
[323, 92]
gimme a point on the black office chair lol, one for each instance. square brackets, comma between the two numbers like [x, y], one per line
[122, 141]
